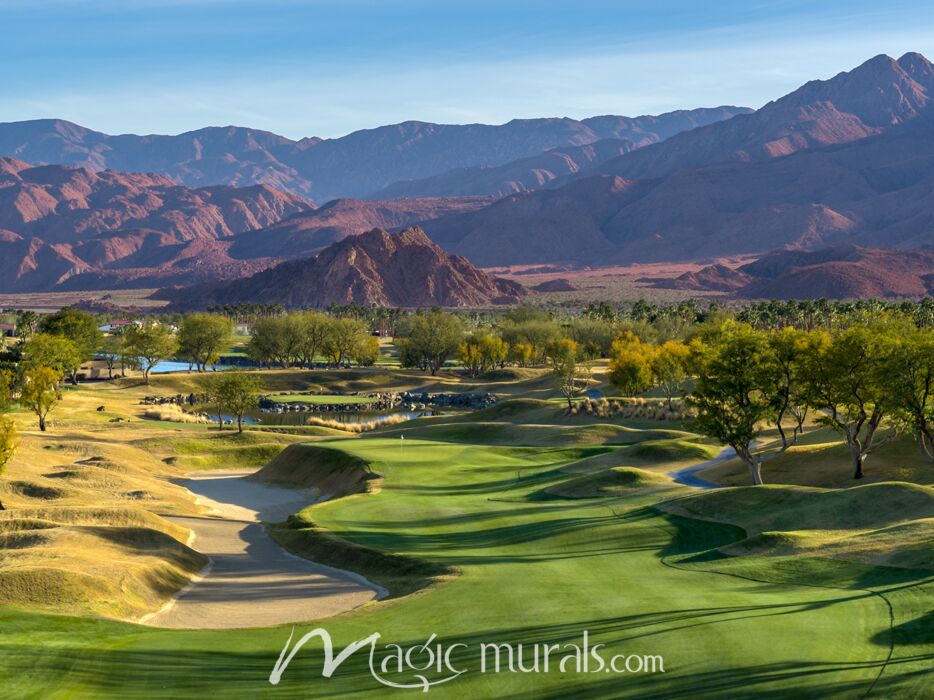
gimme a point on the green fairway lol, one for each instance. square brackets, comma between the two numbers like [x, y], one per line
[531, 570]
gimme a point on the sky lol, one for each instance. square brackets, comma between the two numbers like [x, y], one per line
[328, 67]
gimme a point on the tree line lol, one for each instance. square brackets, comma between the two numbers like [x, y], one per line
[867, 382]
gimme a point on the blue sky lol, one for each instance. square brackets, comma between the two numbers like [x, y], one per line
[328, 67]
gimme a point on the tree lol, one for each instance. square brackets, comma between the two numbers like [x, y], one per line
[7, 388]
[631, 364]
[8, 443]
[669, 367]
[735, 394]
[40, 392]
[481, 352]
[537, 333]
[314, 329]
[912, 385]
[112, 350]
[493, 352]
[79, 327]
[468, 354]
[151, 343]
[26, 322]
[234, 393]
[202, 338]
[848, 377]
[562, 355]
[52, 351]
[343, 338]
[520, 354]
[267, 342]
[366, 352]
[429, 339]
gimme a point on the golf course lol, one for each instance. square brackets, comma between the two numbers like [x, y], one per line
[515, 524]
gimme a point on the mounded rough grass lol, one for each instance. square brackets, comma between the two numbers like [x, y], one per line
[820, 459]
[671, 450]
[885, 523]
[400, 575]
[612, 482]
[114, 562]
[330, 473]
[226, 449]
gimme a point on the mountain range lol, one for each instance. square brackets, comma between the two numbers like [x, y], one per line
[837, 162]
[850, 159]
[355, 166]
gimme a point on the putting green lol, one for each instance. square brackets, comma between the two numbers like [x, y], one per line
[533, 571]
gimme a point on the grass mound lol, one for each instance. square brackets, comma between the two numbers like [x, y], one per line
[611, 482]
[671, 450]
[114, 562]
[890, 523]
[399, 574]
[94, 516]
[820, 459]
[218, 450]
[331, 473]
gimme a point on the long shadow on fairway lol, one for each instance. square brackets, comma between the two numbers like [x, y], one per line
[176, 664]
[475, 539]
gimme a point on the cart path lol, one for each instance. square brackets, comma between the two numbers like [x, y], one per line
[687, 476]
[251, 581]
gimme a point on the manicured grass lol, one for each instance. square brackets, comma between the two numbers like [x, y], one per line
[637, 580]
[461, 496]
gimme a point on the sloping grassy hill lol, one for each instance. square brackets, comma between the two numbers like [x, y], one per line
[115, 562]
[612, 482]
[328, 472]
[822, 460]
[884, 523]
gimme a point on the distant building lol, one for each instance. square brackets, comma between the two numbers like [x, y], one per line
[7, 330]
[117, 325]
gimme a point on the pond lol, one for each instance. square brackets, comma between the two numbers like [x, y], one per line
[174, 366]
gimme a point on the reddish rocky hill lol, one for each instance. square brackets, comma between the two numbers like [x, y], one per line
[404, 270]
[60, 223]
[842, 272]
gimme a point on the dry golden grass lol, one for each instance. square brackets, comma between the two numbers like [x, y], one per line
[80, 534]
[361, 427]
[173, 413]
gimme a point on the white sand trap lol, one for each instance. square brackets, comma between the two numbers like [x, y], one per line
[251, 581]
